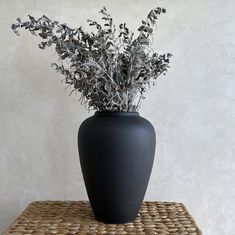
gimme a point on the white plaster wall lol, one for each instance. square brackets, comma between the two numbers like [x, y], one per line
[192, 108]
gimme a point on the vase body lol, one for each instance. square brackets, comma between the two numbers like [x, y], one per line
[116, 151]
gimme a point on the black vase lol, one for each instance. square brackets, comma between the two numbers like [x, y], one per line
[116, 152]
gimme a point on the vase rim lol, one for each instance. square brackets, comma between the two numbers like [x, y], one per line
[116, 113]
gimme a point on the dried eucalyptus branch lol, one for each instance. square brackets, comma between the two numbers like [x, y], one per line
[110, 68]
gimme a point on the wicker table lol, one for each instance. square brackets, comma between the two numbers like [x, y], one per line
[75, 217]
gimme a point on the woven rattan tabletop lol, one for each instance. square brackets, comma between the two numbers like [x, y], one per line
[75, 217]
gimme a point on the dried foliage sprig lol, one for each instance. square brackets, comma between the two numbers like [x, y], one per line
[109, 67]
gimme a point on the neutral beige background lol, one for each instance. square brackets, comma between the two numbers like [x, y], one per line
[192, 108]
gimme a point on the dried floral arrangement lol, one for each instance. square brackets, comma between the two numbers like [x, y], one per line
[109, 67]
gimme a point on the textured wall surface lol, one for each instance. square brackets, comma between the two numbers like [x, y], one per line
[192, 108]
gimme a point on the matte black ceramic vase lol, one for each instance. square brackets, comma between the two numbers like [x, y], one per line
[116, 152]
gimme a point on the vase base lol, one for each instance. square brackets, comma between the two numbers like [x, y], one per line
[115, 221]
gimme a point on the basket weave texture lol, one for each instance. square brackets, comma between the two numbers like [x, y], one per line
[76, 217]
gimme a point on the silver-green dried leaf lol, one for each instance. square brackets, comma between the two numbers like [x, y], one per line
[109, 67]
